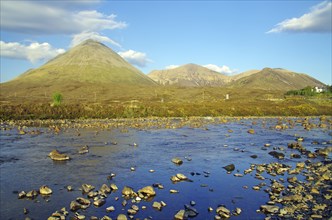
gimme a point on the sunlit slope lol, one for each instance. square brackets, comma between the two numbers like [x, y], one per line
[275, 79]
[89, 64]
[190, 75]
[90, 61]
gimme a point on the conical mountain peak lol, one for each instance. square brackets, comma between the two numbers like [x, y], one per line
[90, 62]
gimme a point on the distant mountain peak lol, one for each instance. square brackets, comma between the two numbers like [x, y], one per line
[190, 74]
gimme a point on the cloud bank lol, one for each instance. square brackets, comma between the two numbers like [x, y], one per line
[85, 35]
[136, 58]
[38, 17]
[221, 69]
[33, 52]
[169, 67]
[318, 20]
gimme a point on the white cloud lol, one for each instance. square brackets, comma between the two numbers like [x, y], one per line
[134, 57]
[33, 52]
[78, 38]
[317, 20]
[169, 67]
[54, 17]
[221, 69]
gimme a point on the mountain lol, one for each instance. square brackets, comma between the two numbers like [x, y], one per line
[189, 75]
[85, 66]
[243, 74]
[275, 79]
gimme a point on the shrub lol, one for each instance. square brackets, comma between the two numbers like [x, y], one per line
[57, 99]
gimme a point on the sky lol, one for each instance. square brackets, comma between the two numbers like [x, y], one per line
[229, 37]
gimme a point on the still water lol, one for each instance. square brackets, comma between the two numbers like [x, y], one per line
[24, 165]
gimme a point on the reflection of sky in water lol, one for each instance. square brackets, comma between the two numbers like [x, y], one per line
[155, 150]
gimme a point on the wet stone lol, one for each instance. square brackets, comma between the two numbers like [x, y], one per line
[277, 155]
[86, 188]
[147, 191]
[180, 215]
[74, 206]
[157, 205]
[110, 209]
[56, 155]
[105, 189]
[269, 208]
[114, 187]
[121, 217]
[45, 190]
[32, 194]
[83, 201]
[84, 150]
[99, 202]
[229, 168]
[177, 161]
[21, 195]
[69, 188]
[128, 191]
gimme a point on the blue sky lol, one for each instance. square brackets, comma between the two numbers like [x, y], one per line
[227, 36]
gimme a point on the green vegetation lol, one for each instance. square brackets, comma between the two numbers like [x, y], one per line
[167, 102]
[57, 99]
[310, 91]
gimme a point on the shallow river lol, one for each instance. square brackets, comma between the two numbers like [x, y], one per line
[24, 165]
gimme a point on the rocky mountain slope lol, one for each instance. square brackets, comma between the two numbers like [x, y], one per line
[190, 75]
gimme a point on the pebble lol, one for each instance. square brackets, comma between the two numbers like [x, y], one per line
[269, 208]
[86, 188]
[45, 190]
[229, 168]
[128, 191]
[56, 155]
[180, 215]
[121, 217]
[147, 191]
[173, 191]
[21, 195]
[177, 161]
[110, 209]
[157, 205]
[114, 187]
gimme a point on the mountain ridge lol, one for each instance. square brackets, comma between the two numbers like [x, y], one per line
[191, 75]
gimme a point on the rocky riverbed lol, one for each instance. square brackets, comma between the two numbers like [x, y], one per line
[176, 168]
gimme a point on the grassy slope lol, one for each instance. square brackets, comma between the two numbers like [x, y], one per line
[166, 102]
[275, 79]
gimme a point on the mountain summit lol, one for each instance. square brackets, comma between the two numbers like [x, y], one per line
[91, 62]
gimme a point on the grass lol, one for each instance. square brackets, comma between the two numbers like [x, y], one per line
[133, 102]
